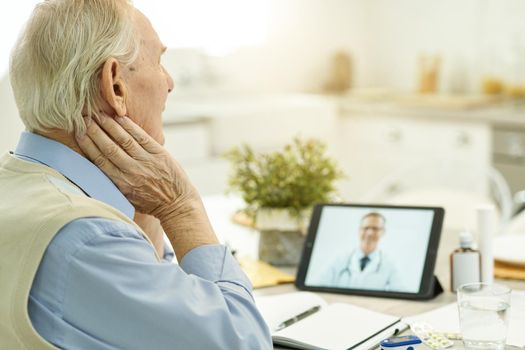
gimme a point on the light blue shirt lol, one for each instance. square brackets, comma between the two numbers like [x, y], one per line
[99, 285]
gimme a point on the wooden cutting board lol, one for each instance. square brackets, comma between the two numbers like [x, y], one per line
[509, 271]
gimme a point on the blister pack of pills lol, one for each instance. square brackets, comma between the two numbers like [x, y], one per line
[432, 338]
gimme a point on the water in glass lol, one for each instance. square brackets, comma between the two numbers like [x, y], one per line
[484, 323]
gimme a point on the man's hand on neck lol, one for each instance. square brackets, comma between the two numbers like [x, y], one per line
[149, 224]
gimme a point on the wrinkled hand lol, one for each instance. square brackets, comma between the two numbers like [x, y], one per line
[140, 167]
[150, 179]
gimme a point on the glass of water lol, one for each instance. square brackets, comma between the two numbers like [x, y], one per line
[484, 315]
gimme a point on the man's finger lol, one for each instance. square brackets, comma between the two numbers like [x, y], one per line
[108, 148]
[93, 153]
[122, 137]
[146, 141]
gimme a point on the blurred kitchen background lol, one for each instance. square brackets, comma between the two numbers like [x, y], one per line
[420, 101]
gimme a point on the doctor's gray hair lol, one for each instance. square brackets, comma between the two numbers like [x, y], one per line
[374, 214]
[56, 63]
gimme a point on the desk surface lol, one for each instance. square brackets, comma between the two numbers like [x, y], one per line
[397, 307]
[245, 241]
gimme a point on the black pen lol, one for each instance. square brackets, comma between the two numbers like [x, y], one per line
[299, 317]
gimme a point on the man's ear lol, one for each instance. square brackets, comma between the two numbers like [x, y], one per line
[113, 87]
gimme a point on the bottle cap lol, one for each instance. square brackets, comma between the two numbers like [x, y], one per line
[466, 239]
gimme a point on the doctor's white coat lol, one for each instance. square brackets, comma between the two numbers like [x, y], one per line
[380, 273]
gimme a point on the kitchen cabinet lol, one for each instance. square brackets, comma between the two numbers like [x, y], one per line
[509, 156]
[188, 139]
[199, 130]
[386, 154]
[384, 149]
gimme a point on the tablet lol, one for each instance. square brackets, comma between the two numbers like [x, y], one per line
[375, 250]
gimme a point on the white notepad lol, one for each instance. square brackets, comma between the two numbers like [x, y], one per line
[336, 326]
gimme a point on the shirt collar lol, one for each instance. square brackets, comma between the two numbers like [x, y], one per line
[74, 167]
[371, 256]
[358, 255]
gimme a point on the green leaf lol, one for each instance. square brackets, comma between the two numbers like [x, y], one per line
[295, 178]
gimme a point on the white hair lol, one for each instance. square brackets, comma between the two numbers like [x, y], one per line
[56, 63]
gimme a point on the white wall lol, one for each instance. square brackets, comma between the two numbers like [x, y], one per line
[12, 17]
[472, 36]
[303, 35]
[384, 37]
[10, 124]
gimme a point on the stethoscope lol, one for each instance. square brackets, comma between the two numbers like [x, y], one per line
[347, 268]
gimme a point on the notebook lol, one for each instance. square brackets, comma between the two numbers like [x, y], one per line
[335, 326]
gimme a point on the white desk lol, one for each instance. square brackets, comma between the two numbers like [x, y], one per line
[245, 241]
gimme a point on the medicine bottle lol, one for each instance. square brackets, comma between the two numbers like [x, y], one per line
[465, 262]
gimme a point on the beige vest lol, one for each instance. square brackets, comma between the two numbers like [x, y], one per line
[34, 204]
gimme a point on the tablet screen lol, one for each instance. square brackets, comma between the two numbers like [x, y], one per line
[370, 248]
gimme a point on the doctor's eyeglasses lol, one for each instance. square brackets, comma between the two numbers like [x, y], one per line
[374, 229]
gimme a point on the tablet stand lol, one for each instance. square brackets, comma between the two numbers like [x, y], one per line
[437, 288]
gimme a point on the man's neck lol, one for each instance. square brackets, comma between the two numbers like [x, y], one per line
[64, 138]
[366, 252]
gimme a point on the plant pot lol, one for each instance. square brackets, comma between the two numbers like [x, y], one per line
[281, 237]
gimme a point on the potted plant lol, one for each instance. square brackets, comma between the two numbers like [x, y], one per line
[279, 189]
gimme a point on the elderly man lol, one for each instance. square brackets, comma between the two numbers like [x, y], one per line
[82, 259]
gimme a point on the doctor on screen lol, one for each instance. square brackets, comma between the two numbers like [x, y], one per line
[366, 266]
